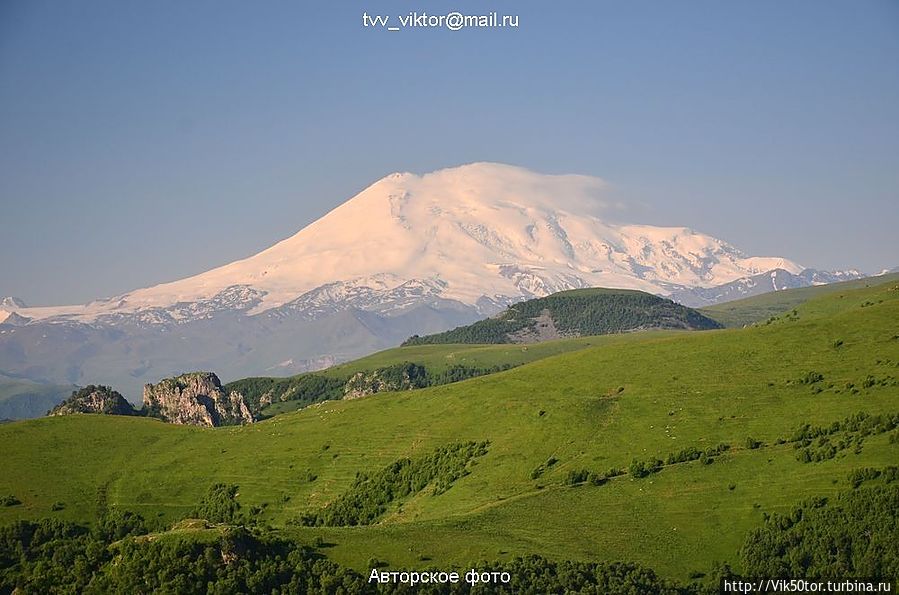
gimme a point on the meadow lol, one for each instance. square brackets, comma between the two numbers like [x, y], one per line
[593, 403]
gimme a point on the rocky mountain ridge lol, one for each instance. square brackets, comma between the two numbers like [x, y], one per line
[94, 399]
[198, 399]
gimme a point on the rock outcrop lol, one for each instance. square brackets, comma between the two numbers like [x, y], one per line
[196, 399]
[94, 399]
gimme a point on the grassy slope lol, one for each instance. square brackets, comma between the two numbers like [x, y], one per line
[441, 357]
[738, 313]
[437, 358]
[680, 389]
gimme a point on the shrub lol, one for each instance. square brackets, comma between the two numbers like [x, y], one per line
[219, 504]
[811, 378]
[9, 500]
[577, 476]
[639, 469]
[752, 443]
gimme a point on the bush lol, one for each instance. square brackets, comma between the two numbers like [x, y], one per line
[219, 505]
[116, 524]
[811, 378]
[597, 479]
[577, 476]
[752, 443]
[640, 469]
[9, 500]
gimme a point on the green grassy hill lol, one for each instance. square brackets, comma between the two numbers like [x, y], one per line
[759, 308]
[575, 313]
[296, 392]
[548, 423]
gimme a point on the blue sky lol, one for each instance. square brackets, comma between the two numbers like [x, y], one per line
[141, 142]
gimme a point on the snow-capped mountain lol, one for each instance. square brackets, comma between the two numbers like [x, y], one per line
[481, 233]
[12, 303]
[776, 280]
[409, 254]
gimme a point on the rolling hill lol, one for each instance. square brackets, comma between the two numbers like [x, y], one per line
[661, 448]
[759, 308]
[474, 350]
[575, 313]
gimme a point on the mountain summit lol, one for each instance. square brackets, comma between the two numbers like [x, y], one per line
[410, 254]
[481, 234]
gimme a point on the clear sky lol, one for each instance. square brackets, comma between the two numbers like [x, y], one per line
[142, 142]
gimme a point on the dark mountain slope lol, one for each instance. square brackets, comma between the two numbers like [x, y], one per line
[575, 313]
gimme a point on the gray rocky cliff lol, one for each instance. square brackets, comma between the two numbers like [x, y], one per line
[196, 399]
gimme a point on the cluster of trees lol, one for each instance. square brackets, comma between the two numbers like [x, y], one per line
[219, 505]
[811, 377]
[706, 456]
[490, 330]
[314, 387]
[404, 376]
[824, 448]
[815, 379]
[409, 375]
[536, 574]
[599, 313]
[543, 467]
[871, 381]
[819, 443]
[863, 423]
[459, 372]
[639, 469]
[579, 312]
[888, 474]
[370, 495]
[579, 476]
[50, 556]
[854, 535]
[813, 443]
[305, 388]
